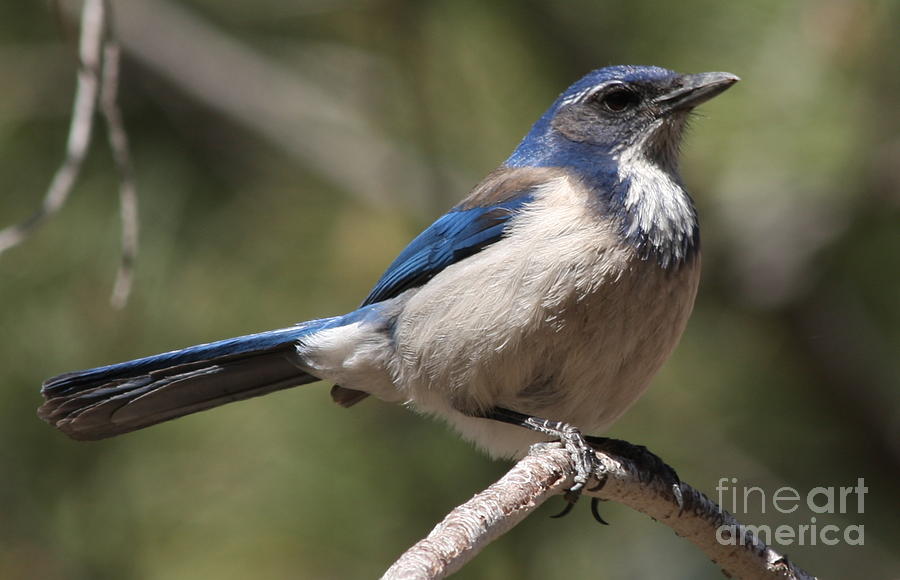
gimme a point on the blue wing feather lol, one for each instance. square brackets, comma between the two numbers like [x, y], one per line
[453, 237]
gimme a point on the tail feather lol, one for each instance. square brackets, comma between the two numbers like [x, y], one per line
[115, 399]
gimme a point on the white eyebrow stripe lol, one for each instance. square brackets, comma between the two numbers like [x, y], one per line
[578, 96]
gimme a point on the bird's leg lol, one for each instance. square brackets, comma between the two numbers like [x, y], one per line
[583, 455]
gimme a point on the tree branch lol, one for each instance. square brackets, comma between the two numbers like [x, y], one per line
[80, 127]
[118, 141]
[638, 481]
[98, 83]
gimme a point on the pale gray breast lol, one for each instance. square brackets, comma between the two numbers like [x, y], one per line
[560, 320]
[619, 338]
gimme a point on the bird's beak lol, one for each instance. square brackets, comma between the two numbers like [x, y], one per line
[688, 91]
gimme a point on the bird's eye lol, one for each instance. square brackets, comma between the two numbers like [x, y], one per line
[618, 99]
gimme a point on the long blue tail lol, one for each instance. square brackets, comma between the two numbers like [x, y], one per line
[110, 400]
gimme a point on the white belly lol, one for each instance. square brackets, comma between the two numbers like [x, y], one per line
[561, 321]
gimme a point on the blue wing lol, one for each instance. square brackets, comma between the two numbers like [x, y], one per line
[453, 237]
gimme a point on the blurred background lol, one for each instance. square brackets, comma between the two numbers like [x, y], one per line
[286, 151]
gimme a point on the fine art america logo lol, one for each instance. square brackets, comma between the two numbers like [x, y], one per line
[739, 499]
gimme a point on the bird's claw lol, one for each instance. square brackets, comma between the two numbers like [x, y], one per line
[584, 458]
[586, 464]
[595, 511]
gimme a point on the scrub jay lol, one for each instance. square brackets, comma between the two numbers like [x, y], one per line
[539, 307]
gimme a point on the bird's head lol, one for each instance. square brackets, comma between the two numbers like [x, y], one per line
[618, 111]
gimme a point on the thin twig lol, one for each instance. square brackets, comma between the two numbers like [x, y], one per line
[98, 76]
[118, 141]
[547, 471]
[80, 127]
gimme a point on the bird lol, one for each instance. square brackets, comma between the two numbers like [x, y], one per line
[538, 308]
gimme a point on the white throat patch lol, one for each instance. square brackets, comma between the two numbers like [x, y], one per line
[658, 210]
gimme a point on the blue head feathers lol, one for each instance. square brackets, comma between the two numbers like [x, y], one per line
[619, 129]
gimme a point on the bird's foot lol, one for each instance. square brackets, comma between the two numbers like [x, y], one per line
[584, 458]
